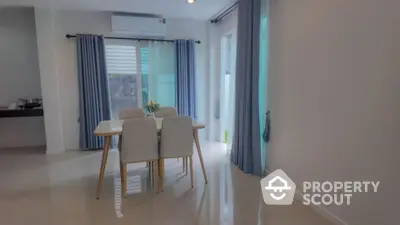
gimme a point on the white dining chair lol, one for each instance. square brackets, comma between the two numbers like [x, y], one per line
[131, 113]
[139, 143]
[165, 112]
[176, 141]
[169, 112]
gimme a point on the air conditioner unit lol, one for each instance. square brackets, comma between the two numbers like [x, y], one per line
[138, 26]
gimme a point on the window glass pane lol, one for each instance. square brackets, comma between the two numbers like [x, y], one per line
[122, 77]
[139, 72]
[165, 84]
[144, 68]
[123, 93]
[145, 89]
[121, 59]
[161, 67]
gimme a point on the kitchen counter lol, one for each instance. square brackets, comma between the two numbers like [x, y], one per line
[6, 113]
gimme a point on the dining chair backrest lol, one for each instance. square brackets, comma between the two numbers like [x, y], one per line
[176, 137]
[131, 113]
[165, 112]
[139, 140]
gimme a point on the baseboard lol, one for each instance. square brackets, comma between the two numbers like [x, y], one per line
[324, 212]
[55, 152]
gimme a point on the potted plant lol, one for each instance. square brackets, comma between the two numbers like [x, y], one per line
[151, 107]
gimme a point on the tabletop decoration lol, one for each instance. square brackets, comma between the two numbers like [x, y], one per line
[151, 107]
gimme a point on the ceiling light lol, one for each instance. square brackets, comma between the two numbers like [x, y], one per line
[190, 1]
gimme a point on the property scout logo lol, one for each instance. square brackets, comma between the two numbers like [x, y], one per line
[278, 189]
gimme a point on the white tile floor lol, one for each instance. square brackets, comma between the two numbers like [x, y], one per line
[60, 189]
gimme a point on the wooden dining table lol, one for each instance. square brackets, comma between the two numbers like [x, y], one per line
[109, 128]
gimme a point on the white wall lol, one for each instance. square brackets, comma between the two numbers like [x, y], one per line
[71, 22]
[49, 62]
[335, 98]
[197, 30]
[19, 76]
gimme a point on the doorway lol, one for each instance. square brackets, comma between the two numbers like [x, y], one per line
[227, 88]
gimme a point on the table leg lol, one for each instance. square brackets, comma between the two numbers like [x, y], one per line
[124, 188]
[107, 142]
[196, 140]
[191, 171]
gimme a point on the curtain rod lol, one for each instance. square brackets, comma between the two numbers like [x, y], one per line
[224, 13]
[127, 38]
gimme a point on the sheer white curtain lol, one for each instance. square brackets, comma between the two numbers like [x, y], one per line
[161, 72]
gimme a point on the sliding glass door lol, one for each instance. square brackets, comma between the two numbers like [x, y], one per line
[139, 72]
[161, 72]
[123, 77]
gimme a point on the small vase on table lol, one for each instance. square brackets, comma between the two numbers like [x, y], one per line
[151, 107]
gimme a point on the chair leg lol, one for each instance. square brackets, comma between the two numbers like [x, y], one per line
[125, 184]
[162, 174]
[191, 171]
[150, 169]
[152, 175]
[183, 164]
[156, 174]
[186, 165]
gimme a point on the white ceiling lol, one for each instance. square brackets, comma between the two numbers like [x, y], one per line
[202, 9]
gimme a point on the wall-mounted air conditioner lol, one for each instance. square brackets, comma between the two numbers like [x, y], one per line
[138, 26]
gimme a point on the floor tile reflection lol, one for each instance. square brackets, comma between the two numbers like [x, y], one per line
[60, 189]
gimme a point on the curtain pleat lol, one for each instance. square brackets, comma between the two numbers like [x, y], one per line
[246, 151]
[185, 78]
[93, 89]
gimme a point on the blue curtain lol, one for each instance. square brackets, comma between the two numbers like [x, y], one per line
[246, 150]
[185, 78]
[94, 104]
